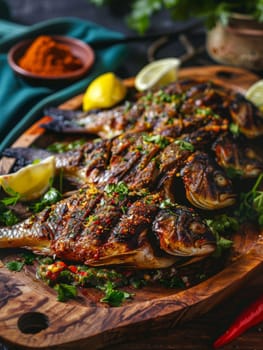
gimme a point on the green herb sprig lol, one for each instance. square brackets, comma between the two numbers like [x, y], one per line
[7, 215]
[159, 140]
[27, 258]
[113, 296]
[120, 188]
[222, 224]
[185, 145]
[50, 197]
[140, 13]
[251, 204]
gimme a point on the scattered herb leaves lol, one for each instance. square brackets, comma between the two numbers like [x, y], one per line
[159, 140]
[114, 297]
[15, 265]
[184, 145]
[120, 188]
[50, 197]
[65, 291]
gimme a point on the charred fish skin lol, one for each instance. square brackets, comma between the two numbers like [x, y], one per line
[106, 124]
[182, 232]
[147, 161]
[247, 116]
[206, 184]
[28, 234]
[24, 156]
[238, 157]
[97, 228]
[179, 108]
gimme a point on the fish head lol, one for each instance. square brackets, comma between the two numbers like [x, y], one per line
[247, 117]
[238, 158]
[206, 184]
[182, 232]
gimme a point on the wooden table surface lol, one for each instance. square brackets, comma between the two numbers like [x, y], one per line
[200, 333]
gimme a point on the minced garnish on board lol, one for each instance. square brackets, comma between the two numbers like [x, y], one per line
[69, 279]
[66, 278]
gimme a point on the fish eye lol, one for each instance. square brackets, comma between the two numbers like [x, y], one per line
[220, 180]
[197, 227]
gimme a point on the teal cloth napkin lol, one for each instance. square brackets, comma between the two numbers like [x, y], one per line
[21, 104]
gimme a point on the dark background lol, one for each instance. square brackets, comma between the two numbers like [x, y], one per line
[32, 11]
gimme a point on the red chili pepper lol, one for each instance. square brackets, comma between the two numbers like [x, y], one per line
[250, 317]
[73, 268]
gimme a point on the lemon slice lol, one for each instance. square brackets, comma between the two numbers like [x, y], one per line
[31, 181]
[157, 74]
[104, 92]
[255, 94]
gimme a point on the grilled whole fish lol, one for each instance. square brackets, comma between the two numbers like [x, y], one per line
[171, 111]
[179, 133]
[145, 162]
[108, 227]
[207, 186]
[238, 156]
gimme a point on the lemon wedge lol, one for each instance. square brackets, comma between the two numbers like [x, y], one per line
[31, 181]
[157, 74]
[104, 92]
[255, 94]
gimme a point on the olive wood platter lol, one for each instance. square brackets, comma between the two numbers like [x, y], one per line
[32, 318]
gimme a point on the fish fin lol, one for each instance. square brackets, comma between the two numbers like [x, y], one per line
[142, 258]
[22, 236]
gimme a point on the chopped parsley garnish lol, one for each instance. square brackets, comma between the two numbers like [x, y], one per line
[233, 173]
[251, 204]
[50, 197]
[7, 216]
[127, 106]
[222, 224]
[61, 147]
[159, 140]
[114, 297]
[27, 258]
[184, 145]
[205, 111]
[234, 128]
[15, 265]
[166, 203]
[120, 188]
[65, 291]
[13, 198]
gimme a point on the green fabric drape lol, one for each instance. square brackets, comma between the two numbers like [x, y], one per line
[21, 103]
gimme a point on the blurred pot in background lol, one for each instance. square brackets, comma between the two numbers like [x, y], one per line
[234, 27]
[238, 43]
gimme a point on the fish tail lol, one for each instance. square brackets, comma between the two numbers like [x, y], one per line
[21, 236]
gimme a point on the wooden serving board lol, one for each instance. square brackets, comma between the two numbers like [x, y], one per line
[32, 318]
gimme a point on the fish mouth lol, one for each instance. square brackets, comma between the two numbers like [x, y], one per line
[224, 200]
[227, 199]
[205, 249]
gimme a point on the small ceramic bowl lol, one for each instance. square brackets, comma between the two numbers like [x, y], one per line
[78, 48]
